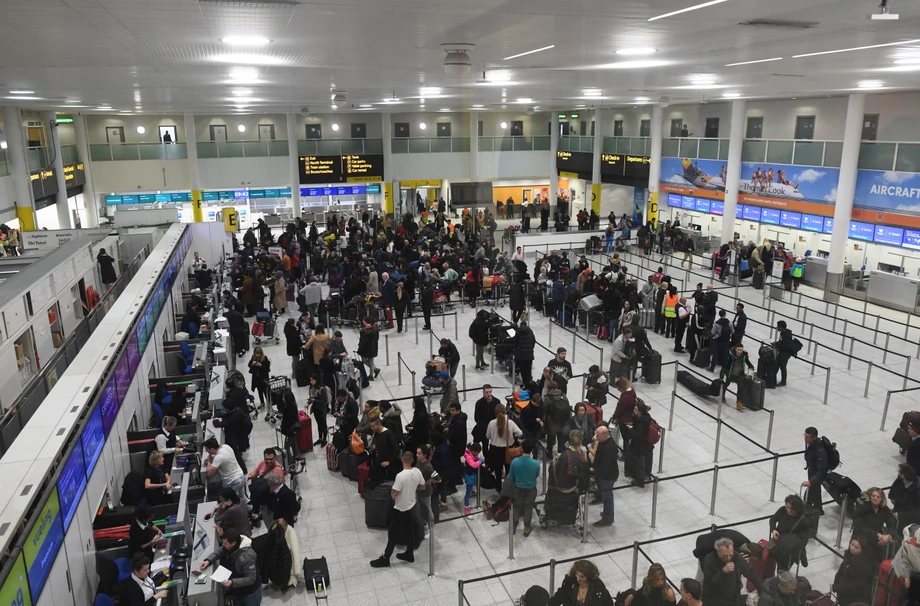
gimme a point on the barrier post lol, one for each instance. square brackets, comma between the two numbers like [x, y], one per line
[842, 520]
[715, 487]
[843, 340]
[545, 463]
[456, 329]
[460, 591]
[513, 370]
[386, 345]
[478, 487]
[850, 356]
[875, 332]
[770, 431]
[413, 382]
[444, 320]
[552, 577]
[811, 331]
[827, 385]
[814, 360]
[584, 520]
[773, 479]
[805, 312]
[511, 532]
[654, 503]
[885, 411]
[661, 450]
[635, 563]
[673, 397]
[868, 376]
[431, 345]
[492, 361]
[584, 387]
[399, 368]
[416, 330]
[906, 373]
[551, 332]
[463, 371]
[430, 548]
[574, 339]
[715, 457]
[885, 353]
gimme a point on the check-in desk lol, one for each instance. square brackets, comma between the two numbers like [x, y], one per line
[896, 292]
[815, 272]
[204, 542]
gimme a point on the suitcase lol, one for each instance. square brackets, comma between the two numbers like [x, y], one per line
[332, 458]
[389, 317]
[901, 437]
[764, 567]
[694, 383]
[377, 506]
[351, 462]
[363, 475]
[302, 375]
[716, 386]
[647, 318]
[651, 367]
[595, 413]
[258, 329]
[757, 280]
[340, 461]
[890, 586]
[602, 332]
[751, 393]
[702, 356]
[744, 274]
[316, 574]
[305, 435]
[839, 487]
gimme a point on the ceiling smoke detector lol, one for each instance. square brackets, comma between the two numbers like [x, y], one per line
[338, 96]
[457, 63]
[531, 110]
[305, 111]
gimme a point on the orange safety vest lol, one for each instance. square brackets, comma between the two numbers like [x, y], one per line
[670, 306]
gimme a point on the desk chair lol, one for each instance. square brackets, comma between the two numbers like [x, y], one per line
[158, 412]
[187, 354]
[103, 600]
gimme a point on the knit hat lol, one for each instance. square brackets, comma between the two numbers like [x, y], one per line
[443, 375]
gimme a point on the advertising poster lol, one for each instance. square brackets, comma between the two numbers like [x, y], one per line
[793, 182]
[16, 590]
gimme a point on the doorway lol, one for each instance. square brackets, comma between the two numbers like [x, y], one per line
[804, 127]
[754, 128]
[870, 127]
[115, 134]
[35, 136]
[645, 128]
[219, 133]
[266, 132]
[676, 126]
[617, 128]
[526, 195]
[712, 128]
[168, 134]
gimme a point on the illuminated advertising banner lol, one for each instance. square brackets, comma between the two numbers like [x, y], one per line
[43, 544]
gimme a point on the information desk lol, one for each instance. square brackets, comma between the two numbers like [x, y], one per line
[204, 542]
[216, 387]
[896, 292]
[815, 272]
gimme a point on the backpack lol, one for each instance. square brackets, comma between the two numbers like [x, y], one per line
[725, 333]
[498, 511]
[796, 346]
[132, 491]
[654, 432]
[833, 455]
[797, 270]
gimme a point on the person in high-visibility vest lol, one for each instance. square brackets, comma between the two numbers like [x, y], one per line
[669, 309]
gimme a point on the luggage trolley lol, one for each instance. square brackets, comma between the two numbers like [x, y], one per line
[277, 386]
[265, 326]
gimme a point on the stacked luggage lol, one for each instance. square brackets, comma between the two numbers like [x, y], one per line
[901, 437]
[767, 365]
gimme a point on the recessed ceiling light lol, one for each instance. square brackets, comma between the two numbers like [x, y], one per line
[642, 99]
[733, 95]
[701, 86]
[422, 126]
[869, 84]
[579, 107]
[908, 61]
[22, 92]
[141, 130]
[592, 92]
[2, 144]
[754, 61]
[530, 52]
[365, 105]
[478, 106]
[496, 77]
[638, 51]
[524, 100]
[24, 98]
[902, 68]
[245, 40]
[702, 78]
[504, 125]
[244, 72]
[427, 91]
[242, 92]
[73, 101]
[392, 100]
[334, 106]
[688, 9]
[637, 64]
[855, 48]
[241, 128]
[248, 58]
[335, 127]
[445, 109]
[104, 107]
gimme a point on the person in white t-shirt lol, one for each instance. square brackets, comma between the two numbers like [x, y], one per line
[222, 460]
[403, 520]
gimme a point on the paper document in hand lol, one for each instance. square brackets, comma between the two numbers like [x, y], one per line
[160, 565]
[220, 575]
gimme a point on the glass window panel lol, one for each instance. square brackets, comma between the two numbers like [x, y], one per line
[352, 146]
[753, 150]
[277, 148]
[832, 152]
[587, 144]
[809, 153]
[622, 145]
[485, 144]
[152, 151]
[306, 148]
[177, 151]
[877, 156]
[399, 146]
[908, 158]
[506, 144]
[541, 143]
[723, 149]
[689, 148]
[328, 148]
[637, 146]
[709, 149]
[207, 149]
[779, 152]
[610, 145]
[460, 144]
[230, 149]
[124, 152]
[373, 146]
[255, 149]
[100, 152]
[670, 148]
[419, 146]
[523, 143]
[441, 145]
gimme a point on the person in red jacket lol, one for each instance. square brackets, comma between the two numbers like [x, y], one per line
[622, 416]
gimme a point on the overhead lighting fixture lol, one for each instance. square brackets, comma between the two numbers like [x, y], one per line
[104, 107]
[855, 48]
[733, 95]
[241, 128]
[688, 9]
[246, 40]
[248, 59]
[701, 86]
[870, 84]
[478, 106]
[445, 109]
[908, 61]
[592, 92]
[2, 144]
[642, 99]
[702, 79]
[427, 91]
[392, 100]
[902, 68]
[524, 100]
[22, 92]
[497, 76]
[24, 98]
[637, 64]
[579, 107]
[334, 106]
[335, 127]
[73, 101]
[530, 52]
[242, 92]
[504, 125]
[365, 105]
[422, 126]
[754, 61]
[141, 130]
[638, 51]
[244, 72]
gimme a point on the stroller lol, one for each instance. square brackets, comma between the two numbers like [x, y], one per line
[561, 507]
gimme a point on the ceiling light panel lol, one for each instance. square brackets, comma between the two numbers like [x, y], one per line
[688, 9]
[245, 40]
[754, 61]
[427, 91]
[638, 51]
[855, 48]
[530, 52]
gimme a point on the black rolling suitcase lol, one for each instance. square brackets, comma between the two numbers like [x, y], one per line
[316, 575]
[703, 354]
[303, 373]
[751, 393]
[757, 280]
[840, 486]
[377, 506]
[901, 437]
[695, 384]
[651, 367]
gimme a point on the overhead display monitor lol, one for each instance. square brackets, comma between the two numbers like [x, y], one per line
[739, 211]
[111, 200]
[911, 239]
[717, 207]
[813, 223]
[179, 197]
[702, 205]
[71, 483]
[790, 219]
[892, 236]
[637, 167]
[109, 403]
[769, 215]
[828, 225]
[613, 164]
[15, 589]
[674, 200]
[576, 164]
[688, 203]
[146, 198]
[43, 544]
[93, 438]
[861, 231]
[129, 199]
[750, 213]
[163, 198]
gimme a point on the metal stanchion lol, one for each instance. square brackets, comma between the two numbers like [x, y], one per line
[715, 457]
[842, 521]
[584, 387]
[584, 520]
[460, 591]
[770, 431]
[545, 462]
[885, 411]
[513, 370]
[551, 331]
[431, 344]
[811, 330]
[661, 450]
[511, 532]
[850, 356]
[492, 361]
[843, 339]
[386, 345]
[715, 487]
[906, 373]
[463, 373]
[443, 321]
[479, 487]
[456, 329]
[413, 382]
[773, 479]
[875, 332]
[635, 563]
[885, 353]
[416, 329]
[868, 376]
[673, 399]
[814, 359]
[654, 503]
[431, 548]
[399, 368]
[827, 385]
[804, 312]
[552, 577]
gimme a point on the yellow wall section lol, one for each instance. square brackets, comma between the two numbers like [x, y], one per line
[26, 218]
[197, 206]
[652, 210]
[388, 198]
[231, 220]
[596, 198]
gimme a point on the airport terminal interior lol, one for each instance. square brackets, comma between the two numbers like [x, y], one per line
[480, 303]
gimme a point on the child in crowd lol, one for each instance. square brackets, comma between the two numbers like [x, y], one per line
[472, 460]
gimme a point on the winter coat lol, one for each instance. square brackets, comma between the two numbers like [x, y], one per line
[516, 297]
[280, 298]
[367, 343]
[294, 342]
[558, 411]
[853, 581]
[524, 343]
[568, 593]
[243, 563]
[479, 331]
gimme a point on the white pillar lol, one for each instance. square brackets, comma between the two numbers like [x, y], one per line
[846, 190]
[733, 168]
[596, 162]
[19, 167]
[89, 192]
[553, 152]
[191, 143]
[57, 163]
[294, 163]
[474, 147]
[654, 168]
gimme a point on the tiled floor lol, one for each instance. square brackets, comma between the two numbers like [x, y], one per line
[332, 520]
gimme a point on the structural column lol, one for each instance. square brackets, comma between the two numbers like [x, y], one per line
[553, 152]
[19, 167]
[474, 148]
[846, 190]
[387, 132]
[654, 167]
[194, 177]
[89, 192]
[294, 164]
[57, 163]
[596, 161]
[733, 169]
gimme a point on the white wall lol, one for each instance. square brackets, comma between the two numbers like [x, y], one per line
[431, 166]
[96, 125]
[142, 175]
[616, 198]
[250, 121]
[502, 165]
[534, 126]
[244, 172]
[459, 122]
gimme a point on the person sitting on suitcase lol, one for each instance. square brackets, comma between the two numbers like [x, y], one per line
[722, 571]
[733, 372]
[854, 578]
[874, 521]
[785, 589]
[790, 530]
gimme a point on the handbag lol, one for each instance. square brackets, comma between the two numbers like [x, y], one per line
[357, 444]
[511, 452]
[771, 544]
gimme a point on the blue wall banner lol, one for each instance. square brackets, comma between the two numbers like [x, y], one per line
[888, 190]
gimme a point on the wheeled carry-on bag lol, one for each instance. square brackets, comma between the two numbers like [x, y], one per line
[901, 437]
[757, 280]
[646, 318]
[364, 474]
[316, 575]
[332, 463]
[839, 487]
[377, 506]
[305, 435]
[702, 356]
[651, 367]
[752, 391]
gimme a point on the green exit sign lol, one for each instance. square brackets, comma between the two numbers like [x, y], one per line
[573, 116]
[34, 124]
[562, 116]
[64, 120]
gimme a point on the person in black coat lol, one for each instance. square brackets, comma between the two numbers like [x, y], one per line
[143, 535]
[290, 424]
[260, 368]
[913, 451]
[419, 428]
[294, 343]
[785, 350]
[106, 268]
[455, 430]
[368, 347]
[791, 529]
[283, 502]
[239, 330]
[139, 589]
[516, 300]
[427, 303]
[853, 581]
[524, 344]
[479, 334]
[483, 414]
[451, 356]
[596, 593]
[191, 317]
[904, 496]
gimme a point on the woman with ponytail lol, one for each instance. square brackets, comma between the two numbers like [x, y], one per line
[501, 433]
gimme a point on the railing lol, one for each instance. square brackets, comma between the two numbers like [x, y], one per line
[69, 154]
[489, 144]
[429, 145]
[232, 149]
[339, 147]
[639, 146]
[242, 149]
[573, 143]
[38, 157]
[137, 151]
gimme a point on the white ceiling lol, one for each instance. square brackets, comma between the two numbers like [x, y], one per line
[165, 55]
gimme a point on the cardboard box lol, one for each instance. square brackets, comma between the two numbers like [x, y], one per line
[20, 352]
[56, 339]
[20, 362]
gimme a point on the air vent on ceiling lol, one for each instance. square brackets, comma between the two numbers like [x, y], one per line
[780, 23]
[253, 3]
[788, 75]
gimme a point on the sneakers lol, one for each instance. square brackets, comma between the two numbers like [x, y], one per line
[602, 523]
[443, 506]
[405, 557]
[739, 406]
[381, 562]
[467, 511]
[527, 531]
[376, 372]
[782, 384]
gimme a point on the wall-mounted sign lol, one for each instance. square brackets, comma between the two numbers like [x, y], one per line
[64, 120]
[44, 184]
[578, 164]
[74, 175]
[354, 168]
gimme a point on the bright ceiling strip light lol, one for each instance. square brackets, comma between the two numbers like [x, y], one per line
[536, 50]
[855, 48]
[755, 61]
[688, 9]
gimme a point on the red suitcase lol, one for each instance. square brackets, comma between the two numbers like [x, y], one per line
[890, 586]
[305, 436]
[764, 567]
[389, 317]
[332, 463]
[258, 329]
[364, 474]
